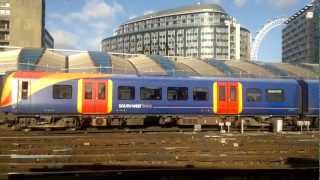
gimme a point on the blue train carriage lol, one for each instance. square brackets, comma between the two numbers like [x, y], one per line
[310, 101]
[163, 99]
[193, 100]
[268, 99]
[116, 100]
[52, 99]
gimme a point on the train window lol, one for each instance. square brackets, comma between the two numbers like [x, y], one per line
[88, 91]
[177, 93]
[200, 94]
[222, 93]
[126, 93]
[24, 92]
[148, 93]
[275, 95]
[62, 92]
[233, 93]
[254, 95]
[101, 91]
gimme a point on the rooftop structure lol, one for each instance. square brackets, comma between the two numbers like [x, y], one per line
[147, 65]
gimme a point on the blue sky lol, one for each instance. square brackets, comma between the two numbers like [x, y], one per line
[82, 24]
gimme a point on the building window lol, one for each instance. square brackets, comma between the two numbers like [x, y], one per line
[177, 93]
[62, 92]
[4, 12]
[200, 94]
[126, 93]
[254, 95]
[149, 93]
[24, 91]
[275, 95]
[4, 4]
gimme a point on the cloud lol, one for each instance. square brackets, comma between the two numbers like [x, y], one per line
[95, 19]
[92, 10]
[240, 3]
[148, 12]
[132, 16]
[213, 1]
[283, 4]
[64, 39]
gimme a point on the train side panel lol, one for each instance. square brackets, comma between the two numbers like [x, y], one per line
[313, 98]
[162, 105]
[271, 97]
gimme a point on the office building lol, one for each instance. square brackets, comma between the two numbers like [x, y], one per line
[203, 31]
[22, 23]
[299, 37]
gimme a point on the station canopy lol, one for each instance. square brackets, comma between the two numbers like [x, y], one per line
[144, 65]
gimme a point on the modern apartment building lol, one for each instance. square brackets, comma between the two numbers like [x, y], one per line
[202, 31]
[299, 37]
[22, 23]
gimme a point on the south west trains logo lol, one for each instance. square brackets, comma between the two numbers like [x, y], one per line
[135, 106]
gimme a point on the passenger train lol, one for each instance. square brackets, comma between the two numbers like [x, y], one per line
[78, 100]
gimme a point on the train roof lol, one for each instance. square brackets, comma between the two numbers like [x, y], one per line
[33, 74]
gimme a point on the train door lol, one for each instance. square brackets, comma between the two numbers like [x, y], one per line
[95, 96]
[227, 97]
[23, 97]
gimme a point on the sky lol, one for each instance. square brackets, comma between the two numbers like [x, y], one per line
[82, 24]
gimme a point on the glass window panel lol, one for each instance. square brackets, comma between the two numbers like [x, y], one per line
[24, 91]
[177, 93]
[88, 91]
[126, 93]
[233, 93]
[254, 95]
[200, 94]
[102, 91]
[62, 92]
[275, 95]
[149, 93]
[222, 93]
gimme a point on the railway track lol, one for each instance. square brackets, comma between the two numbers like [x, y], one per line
[151, 129]
[59, 151]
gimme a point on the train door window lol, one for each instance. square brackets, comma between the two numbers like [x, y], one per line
[88, 91]
[24, 90]
[126, 93]
[200, 94]
[149, 93]
[62, 92]
[177, 93]
[101, 91]
[275, 95]
[222, 93]
[233, 93]
[254, 95]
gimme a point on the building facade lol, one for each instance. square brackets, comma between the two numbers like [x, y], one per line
[299, 37]
[22, 23]
[204, 31]
[317, 13]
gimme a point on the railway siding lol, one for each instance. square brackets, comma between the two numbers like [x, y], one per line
[20, 152]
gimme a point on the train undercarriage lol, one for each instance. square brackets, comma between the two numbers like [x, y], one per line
[75, 122]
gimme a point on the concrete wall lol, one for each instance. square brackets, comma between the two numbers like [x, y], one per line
[27, 23]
